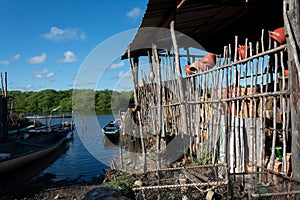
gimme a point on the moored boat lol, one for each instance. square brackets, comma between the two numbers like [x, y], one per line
[14, 155]
[55, 128]
[111, 130]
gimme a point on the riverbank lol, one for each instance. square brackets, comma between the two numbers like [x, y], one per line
[44, 188]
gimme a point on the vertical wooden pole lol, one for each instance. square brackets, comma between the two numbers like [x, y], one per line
[142, 142]
[274, 135]
[134, 80]
[283, 110]
[180, 80]
[291, 17]
[159, 98]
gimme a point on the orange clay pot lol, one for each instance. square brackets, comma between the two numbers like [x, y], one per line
[201, 66]
[278, 35]
[190, 69]
[209, 59]
[242, 51]
[286, 73]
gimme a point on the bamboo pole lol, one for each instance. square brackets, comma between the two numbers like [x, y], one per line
[239, 154]
[262, 110]
[227, 144]
[142, 142]
[197, 118]
[159, 127]
[272, 158]
[180, 80]
[134, 80]
[252, 127]
[283, 106]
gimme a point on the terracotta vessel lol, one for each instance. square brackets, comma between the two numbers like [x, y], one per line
[201, 66]
[242, 51]
[286, 73]
[278, 35]
[209, 59]
[190, 69]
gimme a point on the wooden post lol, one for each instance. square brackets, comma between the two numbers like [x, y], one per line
[3, 110]
[159, 99]
[134, 77]
[291, 17]
[142, 142]
[180, 81]
[274, 135]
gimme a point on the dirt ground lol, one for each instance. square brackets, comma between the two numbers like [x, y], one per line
[44, 188]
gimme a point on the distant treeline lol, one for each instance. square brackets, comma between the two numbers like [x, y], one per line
[45, 101]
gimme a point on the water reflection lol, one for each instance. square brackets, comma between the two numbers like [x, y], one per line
[110, 143]
[84, 157]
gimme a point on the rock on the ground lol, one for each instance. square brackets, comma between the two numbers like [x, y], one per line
[104, 193]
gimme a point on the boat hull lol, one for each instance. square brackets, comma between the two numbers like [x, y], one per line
[32, 150]
[111, 130]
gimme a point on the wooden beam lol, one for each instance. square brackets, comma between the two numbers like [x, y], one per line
[292, 29]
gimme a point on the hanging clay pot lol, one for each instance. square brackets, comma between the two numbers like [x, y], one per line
[190, 69]
[278, 35]
[209, 59]
[286, 73]
[201, 66]
[242, 51]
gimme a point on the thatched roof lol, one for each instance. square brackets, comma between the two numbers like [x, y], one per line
[212, 23]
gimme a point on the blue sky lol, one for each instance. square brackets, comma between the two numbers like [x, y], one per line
[44, 44]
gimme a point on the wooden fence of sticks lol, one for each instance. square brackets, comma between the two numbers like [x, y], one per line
[236, 111]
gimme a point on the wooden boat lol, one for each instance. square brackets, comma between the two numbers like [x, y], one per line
[111, 130]
[18, 133]
[43, 130]
[17, 154]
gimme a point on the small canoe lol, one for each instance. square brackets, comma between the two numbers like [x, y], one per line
[111, 130]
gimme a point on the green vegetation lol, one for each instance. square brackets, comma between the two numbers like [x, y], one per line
[42, 102]
[123, 182]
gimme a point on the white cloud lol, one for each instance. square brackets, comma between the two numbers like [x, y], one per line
[124, 75]
[45, 73]
[4, 62]
[116, 65]
[69, 57]
[16, 57]
[56, 34]
[37, 59]
[134, 13]
[8, 61]
[27, 87]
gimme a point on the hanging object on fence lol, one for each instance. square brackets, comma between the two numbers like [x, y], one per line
[286, 73]
[191, 69]
[209, 59]
[278, 35]
[242, 49]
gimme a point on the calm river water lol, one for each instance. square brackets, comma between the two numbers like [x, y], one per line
[82, 158]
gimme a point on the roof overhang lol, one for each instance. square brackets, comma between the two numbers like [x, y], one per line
[211, 23]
